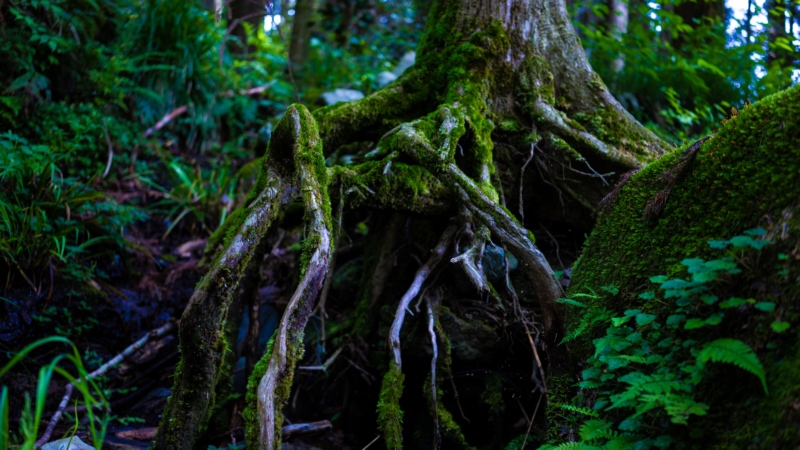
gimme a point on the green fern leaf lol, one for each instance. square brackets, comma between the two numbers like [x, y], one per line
[577, 446]
[571, 302]
[579, 410]
[736, 352]
[595, 429]
[619, 443]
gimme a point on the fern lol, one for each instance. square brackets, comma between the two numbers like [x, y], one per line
[736, 352]
[579, 410]
[565, 301]
[595, 429]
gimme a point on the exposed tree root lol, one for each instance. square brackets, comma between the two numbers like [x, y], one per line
[434, 357]
[422, 274]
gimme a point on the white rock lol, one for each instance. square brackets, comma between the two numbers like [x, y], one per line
[405, 62]
[385, 78]
[74, 443]
[341, 95]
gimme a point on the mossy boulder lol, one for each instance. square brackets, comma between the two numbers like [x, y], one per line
[745, 176]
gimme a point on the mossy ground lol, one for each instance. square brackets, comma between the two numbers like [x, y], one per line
[743, 177]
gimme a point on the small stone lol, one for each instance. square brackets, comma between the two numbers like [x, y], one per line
[73, 443]
[384, 78]
[405, 62]
[341, 95]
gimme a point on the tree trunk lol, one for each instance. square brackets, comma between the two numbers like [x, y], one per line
[498, 88]
[617, 24]
[245, 11]
[301, 32]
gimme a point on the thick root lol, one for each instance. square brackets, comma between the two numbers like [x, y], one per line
[287, 346]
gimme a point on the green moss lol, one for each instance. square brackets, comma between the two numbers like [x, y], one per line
[390, 416]
[492, 396]
[744, 176]
[252, 424]
[534, 82]
[448, 427]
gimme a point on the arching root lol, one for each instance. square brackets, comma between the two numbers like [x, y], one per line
[389, 412]
[294, 165]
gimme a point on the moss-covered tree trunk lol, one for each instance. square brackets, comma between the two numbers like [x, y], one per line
[499, 87]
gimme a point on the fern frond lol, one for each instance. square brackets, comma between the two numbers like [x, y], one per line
[736, 352]
[620, 443]
[569, 301]
[595, 429]
[579, 410]
[576, 446]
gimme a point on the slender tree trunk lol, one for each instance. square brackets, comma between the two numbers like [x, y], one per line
[301, 32]
[617, 24]
[251, 12]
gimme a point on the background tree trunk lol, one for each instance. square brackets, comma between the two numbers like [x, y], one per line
[302, 24]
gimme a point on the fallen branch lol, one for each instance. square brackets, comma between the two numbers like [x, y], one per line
[133, 348]
[297, 429]
[165, 120]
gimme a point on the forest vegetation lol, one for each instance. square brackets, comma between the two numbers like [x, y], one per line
[335, 224]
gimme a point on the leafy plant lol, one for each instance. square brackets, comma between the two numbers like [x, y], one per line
[49, 220]
[649, 363]
[91, 395]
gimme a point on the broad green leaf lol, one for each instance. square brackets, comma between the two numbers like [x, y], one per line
[644, 319]
[779, 326]
[765, 306]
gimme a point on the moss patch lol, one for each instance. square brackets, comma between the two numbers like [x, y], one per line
[743, 177]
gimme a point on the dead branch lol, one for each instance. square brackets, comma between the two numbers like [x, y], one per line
[165, 120]
[131, 349]
[297, 429]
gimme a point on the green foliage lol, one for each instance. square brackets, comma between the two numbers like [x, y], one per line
[49, 219]
[649, 367]
[679, 75]
[91, 395]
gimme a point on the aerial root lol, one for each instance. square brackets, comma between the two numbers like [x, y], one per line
[554, 120]
[419, 279]
[470, 258]
[533, 262]
[434, 357]
[287, 347]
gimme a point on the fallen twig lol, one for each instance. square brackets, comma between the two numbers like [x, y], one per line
[305, 428]
[165, 120]
[133, 348]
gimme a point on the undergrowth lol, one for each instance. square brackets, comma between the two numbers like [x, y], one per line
[645, 379]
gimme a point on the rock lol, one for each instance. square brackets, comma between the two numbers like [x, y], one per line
[73, 443]
[494, 264]
[341, 95]
[385, 78]
[405, 62]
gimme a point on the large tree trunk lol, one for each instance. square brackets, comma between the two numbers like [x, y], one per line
[499, 87]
